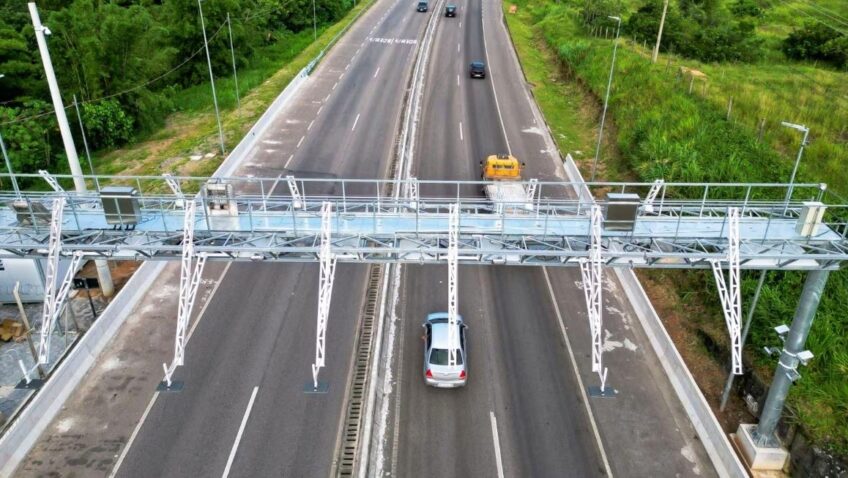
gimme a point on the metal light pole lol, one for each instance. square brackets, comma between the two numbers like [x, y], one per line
[790, 357]
[606, 99]
[85, 144]
[233, 55]
[211, 77]
[314, 23]
[104, 276]
[8, 163]
[659, 33]
[806, 132]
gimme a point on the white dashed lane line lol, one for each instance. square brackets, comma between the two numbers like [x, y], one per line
[301, 141]
[354, 122]
[377, 72]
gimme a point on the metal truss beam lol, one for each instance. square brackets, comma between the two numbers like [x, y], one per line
[369, 228]
[51, 181]
[648, 203]
[190, 276]
[326, 277]
[730, 292]
[297, 199]
[453, 260]
[176, 189]
[591, 270]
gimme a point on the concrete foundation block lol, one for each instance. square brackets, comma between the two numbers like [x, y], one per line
[759, 457]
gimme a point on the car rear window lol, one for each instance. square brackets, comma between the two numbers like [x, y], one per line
[440, 357]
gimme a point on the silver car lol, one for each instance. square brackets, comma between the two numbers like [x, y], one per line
[437, 372]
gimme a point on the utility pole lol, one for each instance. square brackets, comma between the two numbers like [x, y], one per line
[659, 33]
[606, 98]
[104, 276]
[211, 77]
[233, 55]
[806, 132]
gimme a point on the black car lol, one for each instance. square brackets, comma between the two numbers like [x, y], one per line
[422, 6]
[450, 10]
[478, 69]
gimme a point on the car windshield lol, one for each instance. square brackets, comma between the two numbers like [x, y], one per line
[477, 65]
[440, 357]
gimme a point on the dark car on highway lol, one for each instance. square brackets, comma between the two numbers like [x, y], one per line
[450, 10]
[422, 6]
[478, 69]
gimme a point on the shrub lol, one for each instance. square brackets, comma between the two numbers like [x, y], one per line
[106, 124]
[816, 41]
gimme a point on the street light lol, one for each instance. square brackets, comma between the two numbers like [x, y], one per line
[606, 99]
[806, 132]
[211, 77]
[9, 164]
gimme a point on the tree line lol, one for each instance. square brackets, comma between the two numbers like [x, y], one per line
[125, 60]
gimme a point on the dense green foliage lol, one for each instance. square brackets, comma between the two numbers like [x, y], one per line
[128, 62]
[663, 131]
[699, 30]
[816, 41]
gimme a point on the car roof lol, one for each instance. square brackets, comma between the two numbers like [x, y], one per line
[439, 322]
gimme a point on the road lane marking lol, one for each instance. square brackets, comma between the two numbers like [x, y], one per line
[319, 110]
[327, 98]
[341, 76]
[240, 432]
[460, 24]
[494, 90]
[460, 132]
[577, 374]
[377, 72]
[497, 442]
[289, 161]
[457, 47]
[334, 86]
[457, 80]
[310, 125]
[153, 399]
[354, 122]
[301, 141]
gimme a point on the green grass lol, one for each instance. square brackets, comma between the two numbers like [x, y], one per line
[663, 131]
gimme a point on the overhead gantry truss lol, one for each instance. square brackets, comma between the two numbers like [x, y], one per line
[680, 233]
[350, 221]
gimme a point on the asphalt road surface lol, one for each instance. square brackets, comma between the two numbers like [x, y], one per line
[258, 332]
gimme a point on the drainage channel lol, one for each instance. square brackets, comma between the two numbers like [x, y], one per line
[351, 428]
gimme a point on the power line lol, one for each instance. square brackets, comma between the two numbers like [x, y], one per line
[124, 92]
[829, 13]
[798, 8]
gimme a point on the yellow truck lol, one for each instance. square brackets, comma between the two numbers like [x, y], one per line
[506, 189]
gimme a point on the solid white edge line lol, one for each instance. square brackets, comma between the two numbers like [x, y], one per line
[156, 394]
[240, 432]
[494, 89]
[497, 442]
[355, 121]
[133, 435]
[577, 374]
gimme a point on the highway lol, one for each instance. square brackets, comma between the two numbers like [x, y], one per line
[258, 332]
[243, 411]
[524, 412]
[520, 382]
